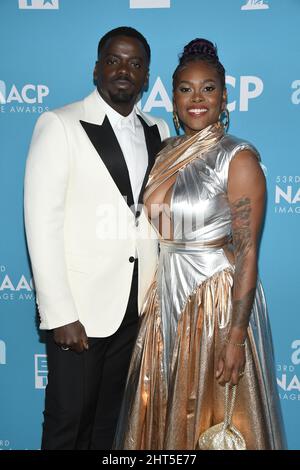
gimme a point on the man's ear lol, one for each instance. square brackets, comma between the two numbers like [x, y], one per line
[146, 82]
[95, 73]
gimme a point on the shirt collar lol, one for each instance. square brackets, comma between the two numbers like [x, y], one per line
[116, 119]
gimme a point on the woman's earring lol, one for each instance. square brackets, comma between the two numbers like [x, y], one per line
[176, 122]
[224, 119]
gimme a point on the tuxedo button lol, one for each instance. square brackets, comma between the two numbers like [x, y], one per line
[131, 259]
[137, 215]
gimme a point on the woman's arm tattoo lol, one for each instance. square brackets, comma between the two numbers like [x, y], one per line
[242, 242]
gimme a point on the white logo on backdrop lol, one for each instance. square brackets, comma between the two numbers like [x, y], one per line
[29, 93]
[27, 98]
[12, 288]
[2, 92]
[150, 3]
[250, 87]
[287, 194]
[40, 370]
[157, 98]
[296, 94]
[39, 4]
[288, 381]
[4, 444]
[295, 358]
[2, 352]
[255, 5]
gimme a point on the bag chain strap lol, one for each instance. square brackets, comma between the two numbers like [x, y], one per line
[228, 412]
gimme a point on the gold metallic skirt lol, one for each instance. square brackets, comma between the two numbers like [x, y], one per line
[172, 398]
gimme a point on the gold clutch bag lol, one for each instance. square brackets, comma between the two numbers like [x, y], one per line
[223, 436]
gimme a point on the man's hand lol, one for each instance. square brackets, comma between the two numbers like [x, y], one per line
[72, 336]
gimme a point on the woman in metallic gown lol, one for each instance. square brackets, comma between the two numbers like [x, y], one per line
[204, 321]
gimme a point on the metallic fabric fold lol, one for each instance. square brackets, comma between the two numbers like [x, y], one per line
[186, 150]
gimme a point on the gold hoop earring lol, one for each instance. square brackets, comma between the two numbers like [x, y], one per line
[224, 119]
[176, 122]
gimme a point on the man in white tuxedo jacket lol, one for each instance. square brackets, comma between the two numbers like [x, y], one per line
[92, 249]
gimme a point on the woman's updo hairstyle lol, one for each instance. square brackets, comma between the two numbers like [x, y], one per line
[200, 49]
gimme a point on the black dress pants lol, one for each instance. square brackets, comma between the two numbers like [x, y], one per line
[85, 391]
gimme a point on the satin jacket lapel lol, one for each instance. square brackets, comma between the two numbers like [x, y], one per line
[153, 142]
[105, 142]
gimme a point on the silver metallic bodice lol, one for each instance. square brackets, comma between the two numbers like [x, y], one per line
[199, 203]
[200, 214]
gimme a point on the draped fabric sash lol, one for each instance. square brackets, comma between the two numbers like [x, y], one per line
[170, 161]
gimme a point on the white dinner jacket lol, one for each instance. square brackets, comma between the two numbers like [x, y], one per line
[81, 233]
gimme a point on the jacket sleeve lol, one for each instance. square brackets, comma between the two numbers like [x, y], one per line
[45, 192]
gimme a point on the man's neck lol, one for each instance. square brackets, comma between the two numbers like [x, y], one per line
[122, 108]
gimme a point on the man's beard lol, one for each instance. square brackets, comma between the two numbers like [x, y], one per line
[121, 97]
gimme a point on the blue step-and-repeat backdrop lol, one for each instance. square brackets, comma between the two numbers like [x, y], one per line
[48, 51]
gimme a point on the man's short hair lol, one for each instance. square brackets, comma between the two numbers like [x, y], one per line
[125, 31]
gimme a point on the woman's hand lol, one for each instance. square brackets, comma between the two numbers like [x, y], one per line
[231, 364]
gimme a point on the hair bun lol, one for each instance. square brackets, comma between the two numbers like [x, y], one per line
[199, 46]
[200, 49]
